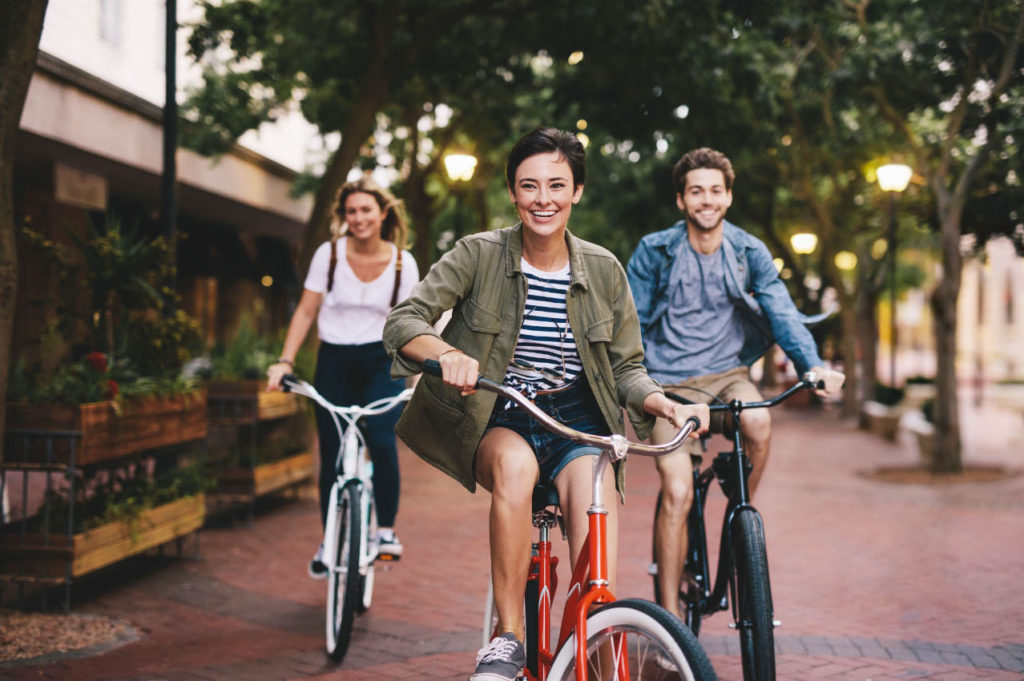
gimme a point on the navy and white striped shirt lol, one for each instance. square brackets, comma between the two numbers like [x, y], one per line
[545, 339]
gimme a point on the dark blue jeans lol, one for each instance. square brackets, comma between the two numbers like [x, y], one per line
[359, 374]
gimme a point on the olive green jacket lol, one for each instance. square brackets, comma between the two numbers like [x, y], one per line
[482, 282]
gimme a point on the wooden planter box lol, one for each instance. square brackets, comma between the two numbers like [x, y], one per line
[105, 434]
[882, 420]
[49, 557]
[243, 484]
[238, 403]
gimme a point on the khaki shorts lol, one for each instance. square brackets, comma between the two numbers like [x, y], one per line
[728, 385]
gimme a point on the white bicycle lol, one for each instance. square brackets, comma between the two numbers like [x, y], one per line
[350, 533]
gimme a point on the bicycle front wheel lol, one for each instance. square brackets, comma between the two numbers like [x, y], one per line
[368, 549]
[753, 599]
[343, 588]
[635, 640]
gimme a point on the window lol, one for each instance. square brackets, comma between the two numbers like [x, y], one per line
[110, 21]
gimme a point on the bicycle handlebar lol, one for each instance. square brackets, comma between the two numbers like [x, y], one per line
[292, 383]
[616, 444]
[809, 381]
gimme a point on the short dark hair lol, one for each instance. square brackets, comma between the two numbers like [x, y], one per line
[704, 157]
[543, 140]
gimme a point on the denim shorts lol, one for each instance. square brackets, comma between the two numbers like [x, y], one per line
[575, 406]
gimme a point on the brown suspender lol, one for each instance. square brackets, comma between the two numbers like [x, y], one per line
[398, 277]
[334, 262]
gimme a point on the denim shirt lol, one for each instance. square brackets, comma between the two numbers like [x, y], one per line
[766, 310]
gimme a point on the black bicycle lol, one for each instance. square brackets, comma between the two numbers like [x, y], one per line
[741, 577]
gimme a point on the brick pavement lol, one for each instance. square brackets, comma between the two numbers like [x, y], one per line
[872, 580]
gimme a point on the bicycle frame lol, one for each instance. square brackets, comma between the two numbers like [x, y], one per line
[352, 461]
[589, 581]
[583, 592]
[731, 469]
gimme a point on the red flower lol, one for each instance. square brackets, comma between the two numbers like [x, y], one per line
[111, 389]
[98, 362]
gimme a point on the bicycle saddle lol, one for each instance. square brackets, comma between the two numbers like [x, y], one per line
[544, 496]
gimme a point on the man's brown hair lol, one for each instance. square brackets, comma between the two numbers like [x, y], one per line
[704, 157]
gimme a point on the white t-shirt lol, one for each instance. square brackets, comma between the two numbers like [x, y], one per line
[354, 311]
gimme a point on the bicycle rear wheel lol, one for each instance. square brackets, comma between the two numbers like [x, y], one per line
[753, 599]
[639, 638]
[343, 589]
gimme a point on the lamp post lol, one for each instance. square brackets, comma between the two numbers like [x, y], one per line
[804, 243]
[893, 178]
[460, 169]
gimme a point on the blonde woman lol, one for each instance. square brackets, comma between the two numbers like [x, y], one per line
[353, 282]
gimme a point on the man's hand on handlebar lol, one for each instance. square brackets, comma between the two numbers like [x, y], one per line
[833, 381]
[676, 414]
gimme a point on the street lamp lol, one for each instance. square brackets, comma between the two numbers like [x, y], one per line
[803, 244]
[460, 169]
[893, 178]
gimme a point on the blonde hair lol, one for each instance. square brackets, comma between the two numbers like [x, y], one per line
[393, 227]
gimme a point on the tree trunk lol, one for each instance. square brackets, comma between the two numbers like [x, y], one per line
[848, 327]
[359, 127]
[944, 306]
[867, 340]
[21, 23]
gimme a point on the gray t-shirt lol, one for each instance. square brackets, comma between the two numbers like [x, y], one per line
[701, 332]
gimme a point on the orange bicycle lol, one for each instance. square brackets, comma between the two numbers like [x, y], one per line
[601, 638]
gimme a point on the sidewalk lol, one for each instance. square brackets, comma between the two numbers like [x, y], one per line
[871, 580]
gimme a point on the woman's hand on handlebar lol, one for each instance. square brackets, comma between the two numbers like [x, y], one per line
[675, 413]
[275, 372]
[459, 370]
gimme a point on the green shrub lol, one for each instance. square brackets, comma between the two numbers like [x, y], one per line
[887, 395]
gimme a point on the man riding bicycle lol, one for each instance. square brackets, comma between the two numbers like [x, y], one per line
[710, 303]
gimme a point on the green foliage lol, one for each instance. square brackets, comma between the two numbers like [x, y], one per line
[887, 395]
[928, 409]
[88, 380]
[110, 494]
[132, 323]
[247, 356]
[249, 353]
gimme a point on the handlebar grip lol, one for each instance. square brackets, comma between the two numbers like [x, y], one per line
[819, 385]
[432, 367]
[287, 381]
[695, 421]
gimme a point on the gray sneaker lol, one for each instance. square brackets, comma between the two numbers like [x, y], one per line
[502, 659]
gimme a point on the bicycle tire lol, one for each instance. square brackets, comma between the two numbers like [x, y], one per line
[753, 599]
[690, 593]
[366, 580]
[650, 633]
[343, 577]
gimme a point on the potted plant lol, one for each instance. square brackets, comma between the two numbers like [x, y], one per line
[921, 423]
[115, 510]
[881, 415]
[917, 390]
[259, 440]
[112, 374]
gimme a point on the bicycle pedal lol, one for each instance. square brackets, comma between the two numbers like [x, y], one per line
[388, 558]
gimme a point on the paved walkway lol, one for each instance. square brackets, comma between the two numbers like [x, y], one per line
[872, 580]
